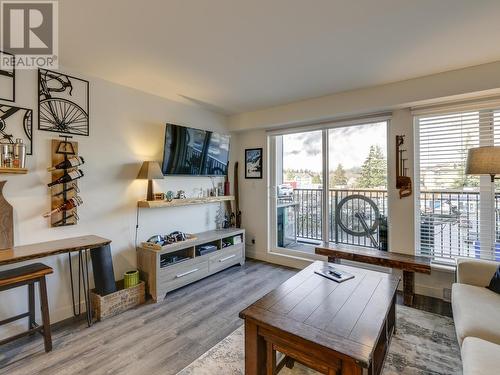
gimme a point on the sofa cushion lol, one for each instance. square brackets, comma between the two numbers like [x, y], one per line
[476, 312]
[495, 282]
[480, 357]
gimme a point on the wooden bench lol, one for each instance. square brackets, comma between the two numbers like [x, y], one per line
[408, 263]
[29, 275]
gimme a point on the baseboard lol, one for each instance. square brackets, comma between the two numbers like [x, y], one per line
[429, 291]
[280, 259]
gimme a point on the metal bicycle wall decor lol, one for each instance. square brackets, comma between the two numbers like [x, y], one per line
[63, 103]
[7, 77]
[16, 122]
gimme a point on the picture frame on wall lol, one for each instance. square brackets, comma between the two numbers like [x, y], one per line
[7, 77]
[63, 103]
[16, 122]
[253, 163]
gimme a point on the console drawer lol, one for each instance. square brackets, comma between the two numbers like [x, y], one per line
[176, 276]
[225, 258]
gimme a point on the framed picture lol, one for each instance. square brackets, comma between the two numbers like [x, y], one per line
[16, 122]
[7, 77]
[253, 163]
[63, 103]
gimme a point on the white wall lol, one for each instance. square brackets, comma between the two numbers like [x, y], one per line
[126, 128]
[397, 97]
[452, 85]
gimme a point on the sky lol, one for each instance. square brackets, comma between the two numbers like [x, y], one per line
[349, 146]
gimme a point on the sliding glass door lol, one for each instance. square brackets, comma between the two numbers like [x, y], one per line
[358, 185]
[299, 190]
[349, 206]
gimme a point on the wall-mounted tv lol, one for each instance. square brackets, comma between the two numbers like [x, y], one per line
[195, 152]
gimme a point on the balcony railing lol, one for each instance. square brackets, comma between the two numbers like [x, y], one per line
[449, 220]
[309, 222]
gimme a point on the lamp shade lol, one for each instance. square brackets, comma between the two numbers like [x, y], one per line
[483, 160]
[150, 170]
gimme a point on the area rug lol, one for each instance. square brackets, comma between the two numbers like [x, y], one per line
[424, 344]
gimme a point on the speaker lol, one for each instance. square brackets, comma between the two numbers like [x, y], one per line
[104, 276]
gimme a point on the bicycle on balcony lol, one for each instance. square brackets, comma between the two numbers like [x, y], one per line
[359, 216]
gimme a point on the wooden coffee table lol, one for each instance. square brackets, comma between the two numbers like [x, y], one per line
[334, 328]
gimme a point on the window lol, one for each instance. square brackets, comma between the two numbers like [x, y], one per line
[329, 184]
[456, 213]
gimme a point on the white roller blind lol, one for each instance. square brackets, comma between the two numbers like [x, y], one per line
[458, 212]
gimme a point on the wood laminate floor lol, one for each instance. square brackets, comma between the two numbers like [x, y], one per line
[154, 338]
[157, 338]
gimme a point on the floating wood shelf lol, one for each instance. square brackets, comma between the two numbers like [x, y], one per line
[184, 202]
[14, 170]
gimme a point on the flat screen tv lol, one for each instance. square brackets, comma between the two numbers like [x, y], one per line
[194, 152]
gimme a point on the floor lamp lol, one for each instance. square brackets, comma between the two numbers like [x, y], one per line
[485, 161]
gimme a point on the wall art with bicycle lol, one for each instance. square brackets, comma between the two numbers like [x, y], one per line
[16, 123]
[63, 103]
[7, 77]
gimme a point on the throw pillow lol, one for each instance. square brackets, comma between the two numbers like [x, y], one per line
[495, 282]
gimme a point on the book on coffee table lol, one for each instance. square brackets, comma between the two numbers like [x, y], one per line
[334, 274]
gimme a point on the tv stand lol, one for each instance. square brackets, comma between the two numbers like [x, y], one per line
[178, 264]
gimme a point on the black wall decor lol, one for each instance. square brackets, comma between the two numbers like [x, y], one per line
[63, 103]
[16, 122]
[7, 77]
[253, 163]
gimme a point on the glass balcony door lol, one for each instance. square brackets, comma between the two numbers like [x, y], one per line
[298, 195]
[357, 199]
[349, 206]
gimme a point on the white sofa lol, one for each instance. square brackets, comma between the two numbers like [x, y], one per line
[476, 312]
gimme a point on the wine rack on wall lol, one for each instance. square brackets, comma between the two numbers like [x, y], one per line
[62, 151]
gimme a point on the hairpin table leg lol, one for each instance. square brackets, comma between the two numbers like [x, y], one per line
[89, 305]
[75, 313]
[83, 254]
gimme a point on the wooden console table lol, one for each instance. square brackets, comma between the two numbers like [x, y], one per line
[82, 245]
[408, 263]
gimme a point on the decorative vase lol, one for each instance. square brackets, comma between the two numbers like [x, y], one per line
[6, 222]
[130, 279]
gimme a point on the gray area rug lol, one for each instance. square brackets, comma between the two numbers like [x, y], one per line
[424, 343]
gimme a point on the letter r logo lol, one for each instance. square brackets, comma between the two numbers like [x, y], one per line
[28, 28]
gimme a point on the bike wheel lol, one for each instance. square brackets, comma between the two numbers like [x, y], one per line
[63, 116]
[28, 124]
[347, 215]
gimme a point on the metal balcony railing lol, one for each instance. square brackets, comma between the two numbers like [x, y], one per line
[309, 222]
[449, 220]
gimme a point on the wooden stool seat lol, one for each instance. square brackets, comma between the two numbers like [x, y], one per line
[23, 274]
[29, 275]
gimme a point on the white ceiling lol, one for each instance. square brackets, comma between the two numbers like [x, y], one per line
[241, 55]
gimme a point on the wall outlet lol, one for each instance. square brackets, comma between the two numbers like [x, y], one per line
[447, 294]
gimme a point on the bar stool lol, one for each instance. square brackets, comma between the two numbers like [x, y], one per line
[29, 275]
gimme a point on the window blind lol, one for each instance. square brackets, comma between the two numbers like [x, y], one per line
[458, 213]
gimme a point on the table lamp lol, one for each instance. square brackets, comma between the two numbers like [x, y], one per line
[484, 161]
[150, 170]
